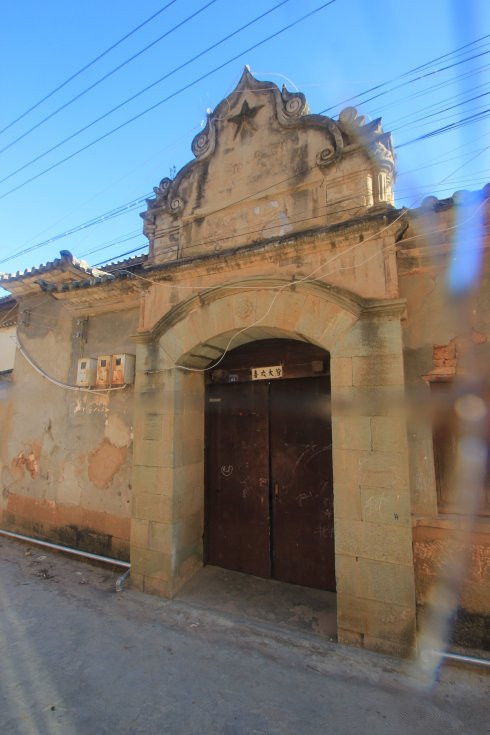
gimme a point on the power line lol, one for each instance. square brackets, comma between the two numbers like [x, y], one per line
[169, 97]
[95, 84]
[273, 226]
[124, 238]
[138, 94]
[111, 214]
[129, 206]
[434, 87]
[422, 76]
[437, 104]
[87, 66]
[118, 211]
[440, 112]
[405, 74]
[446, 128]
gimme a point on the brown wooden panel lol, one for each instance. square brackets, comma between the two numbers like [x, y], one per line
[301, 482]
[299, 359]
[237, 478]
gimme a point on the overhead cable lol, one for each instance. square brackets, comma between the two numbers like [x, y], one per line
[87, 66]
[169, 97]
[405, 74]
[95, 84]
[111, 214]
[137, 94]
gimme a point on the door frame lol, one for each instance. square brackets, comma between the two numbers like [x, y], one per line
[297, 360]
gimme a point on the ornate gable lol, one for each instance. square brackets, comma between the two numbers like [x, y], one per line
[264, 168]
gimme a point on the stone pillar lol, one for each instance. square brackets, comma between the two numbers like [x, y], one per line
[373, 534]
[168, 497]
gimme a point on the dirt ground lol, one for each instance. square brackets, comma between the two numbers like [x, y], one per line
[78, 658]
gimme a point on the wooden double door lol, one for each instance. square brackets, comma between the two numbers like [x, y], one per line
[269, 494]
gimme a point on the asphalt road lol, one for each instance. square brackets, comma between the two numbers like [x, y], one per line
[77, 658]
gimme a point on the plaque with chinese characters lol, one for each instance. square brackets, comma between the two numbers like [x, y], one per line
[266, 373]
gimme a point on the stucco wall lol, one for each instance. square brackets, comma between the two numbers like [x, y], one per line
[67, 454]
[7, 348]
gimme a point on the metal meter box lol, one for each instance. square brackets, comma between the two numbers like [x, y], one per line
[122, 369]
[86, 372]
[103, 371]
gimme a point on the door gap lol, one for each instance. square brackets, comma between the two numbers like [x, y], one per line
[271, 485]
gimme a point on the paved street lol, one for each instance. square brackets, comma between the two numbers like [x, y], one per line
[78, 658]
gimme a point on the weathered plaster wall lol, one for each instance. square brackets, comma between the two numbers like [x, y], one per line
[7, 348]
[439, 340]
[67, 454]
[265, 168]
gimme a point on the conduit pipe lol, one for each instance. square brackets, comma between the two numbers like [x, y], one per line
[66, 549]
[461, 658]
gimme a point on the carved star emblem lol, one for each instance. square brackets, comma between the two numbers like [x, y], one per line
[245, 118]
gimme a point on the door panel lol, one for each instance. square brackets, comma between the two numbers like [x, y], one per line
[301, 481]
[237, 483]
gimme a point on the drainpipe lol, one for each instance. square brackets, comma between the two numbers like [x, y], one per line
[75, 552]
[460, 658]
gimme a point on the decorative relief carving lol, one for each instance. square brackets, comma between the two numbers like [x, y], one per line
[239, 112]
[326, 156]
[201, 142]
[377, 143]
[382, 152]
[244, 120]
[149, 226]
[176, 205]
[294, 103]
[161, 194]
[350, 117]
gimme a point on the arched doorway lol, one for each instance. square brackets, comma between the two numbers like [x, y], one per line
[268, 449]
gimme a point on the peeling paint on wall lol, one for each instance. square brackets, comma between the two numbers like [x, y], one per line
[105, 462]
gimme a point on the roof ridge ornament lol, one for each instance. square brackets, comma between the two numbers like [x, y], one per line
[289, 107]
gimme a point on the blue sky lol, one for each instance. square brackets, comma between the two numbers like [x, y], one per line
[342, 50]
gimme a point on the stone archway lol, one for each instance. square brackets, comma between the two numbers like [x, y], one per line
[373, 541]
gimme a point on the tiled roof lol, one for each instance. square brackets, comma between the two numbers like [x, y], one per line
[128, 262]
[68, 273]
[65, 262]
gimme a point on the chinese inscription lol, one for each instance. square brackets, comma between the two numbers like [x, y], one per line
[266, 373]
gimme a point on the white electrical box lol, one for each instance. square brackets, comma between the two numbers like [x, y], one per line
[86, 372]
[103, 371]
[122, 369]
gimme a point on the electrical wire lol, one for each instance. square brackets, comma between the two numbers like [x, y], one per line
[105, 217]
[446, 128]
[274, 226]
[440, 112]
[88, 89]
[139, 93]
[412, 81]
[60, 383]
[87, 66]
[101, 219]
[125, 238]
[129, 99]
[452, 81]
[426, 108]
[169, 97]
[404, 74]
[296, 282]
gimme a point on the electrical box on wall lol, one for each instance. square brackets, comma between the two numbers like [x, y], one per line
[103, 371]
[86, 372]
[122, 369]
